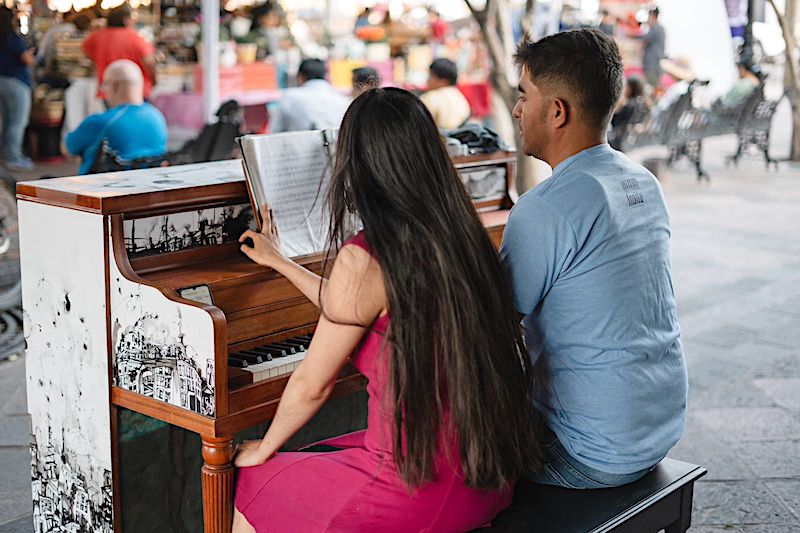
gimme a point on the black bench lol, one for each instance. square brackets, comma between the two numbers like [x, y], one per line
[682, 127]
[660, 500]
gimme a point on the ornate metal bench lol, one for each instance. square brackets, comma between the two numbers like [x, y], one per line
[682, 127]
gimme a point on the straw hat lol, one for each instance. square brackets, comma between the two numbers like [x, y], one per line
[679, 68]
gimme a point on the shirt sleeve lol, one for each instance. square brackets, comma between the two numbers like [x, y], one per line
[538, 244]
[17, 47]
[86, 135]
[144, 47]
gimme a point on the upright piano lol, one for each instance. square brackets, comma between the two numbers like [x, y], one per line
[136, 296]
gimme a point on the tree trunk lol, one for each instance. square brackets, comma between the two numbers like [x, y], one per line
[494, 21]
[791, 75]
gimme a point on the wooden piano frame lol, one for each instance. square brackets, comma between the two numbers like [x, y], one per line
[252, 305]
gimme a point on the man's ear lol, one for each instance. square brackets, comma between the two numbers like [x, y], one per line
[559, 113]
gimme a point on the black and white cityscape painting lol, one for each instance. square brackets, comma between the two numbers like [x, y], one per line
[188, 229]
[67, 370]
[147, 361]
[63, 500]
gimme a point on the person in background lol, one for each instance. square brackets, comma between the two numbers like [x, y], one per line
[364, 79]
[362, 19]
[119, 40]
[73, 24]
[15, 90]
[607, 23]
[448, 106]
[419, 304]
[314, 105]
[588, 254]
[132, 127]
[439, 27]
[632, 96]
[654, 50]
[742, 88]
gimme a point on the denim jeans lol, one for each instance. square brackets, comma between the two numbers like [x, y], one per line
[560, 469]
[15, 108]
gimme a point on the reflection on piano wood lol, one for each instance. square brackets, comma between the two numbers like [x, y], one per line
[215, 364]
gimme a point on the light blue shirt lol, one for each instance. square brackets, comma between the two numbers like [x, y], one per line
[313, 106]
[132, 131]
[588, 255]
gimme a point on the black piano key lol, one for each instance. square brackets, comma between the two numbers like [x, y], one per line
[305, 338]
[263, 356]
[236, 361]
[288, 347]
[300, 346]
[251, 357]
[271, 351]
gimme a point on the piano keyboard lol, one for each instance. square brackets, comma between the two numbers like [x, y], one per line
[271, 360]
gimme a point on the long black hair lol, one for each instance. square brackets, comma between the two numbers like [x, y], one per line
[456, 346]
[6, 24]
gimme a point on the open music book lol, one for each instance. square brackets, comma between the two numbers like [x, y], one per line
[290, 172]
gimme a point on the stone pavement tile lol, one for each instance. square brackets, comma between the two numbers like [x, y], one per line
[771, 528]
[711, 295]
[23, 524]
[700, 447]
[729, 393]
[15, 484]
[14, 503]
[772, 459]
[788, 491]
[15, 431]
[785, 392]
[736, 503]
[789, 307]
[693, 529]
[750, 424]
[725, 335]
[17, 404]
[775, 327]
[12, 378]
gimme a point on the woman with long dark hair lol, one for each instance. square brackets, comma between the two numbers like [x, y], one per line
[419, 303]
[15, 90]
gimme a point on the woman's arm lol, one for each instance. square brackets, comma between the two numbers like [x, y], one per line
[266, 251]
[355, 294]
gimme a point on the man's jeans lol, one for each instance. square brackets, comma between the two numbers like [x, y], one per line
[560, 469]
[15, 107]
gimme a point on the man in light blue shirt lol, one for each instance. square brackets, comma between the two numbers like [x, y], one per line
[588, 255]
[132, 127]
[314, 105]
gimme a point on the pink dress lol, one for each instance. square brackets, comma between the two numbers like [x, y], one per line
[358, 488]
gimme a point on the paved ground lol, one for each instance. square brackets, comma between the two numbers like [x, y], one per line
[736, 257]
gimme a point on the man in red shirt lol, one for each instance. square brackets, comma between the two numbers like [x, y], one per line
[119, 40]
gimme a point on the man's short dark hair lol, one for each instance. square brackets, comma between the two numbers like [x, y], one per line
[313, 69]
[118, 16]
[366, 76]
[654, 12]
[583, 67]
[444, 69]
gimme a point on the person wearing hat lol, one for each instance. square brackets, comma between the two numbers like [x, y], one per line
[680, 70]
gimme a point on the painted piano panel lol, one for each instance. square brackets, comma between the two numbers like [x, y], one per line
[161, 349]
[63, 295]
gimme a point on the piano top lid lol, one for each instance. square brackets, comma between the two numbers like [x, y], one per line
[143, 189]
[168, 188]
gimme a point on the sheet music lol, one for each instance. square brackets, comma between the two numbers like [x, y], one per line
[291, 172]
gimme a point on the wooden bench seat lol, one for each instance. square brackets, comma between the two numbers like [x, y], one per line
[660, 500]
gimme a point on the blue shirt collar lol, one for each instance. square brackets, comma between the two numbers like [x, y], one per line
[583, 154]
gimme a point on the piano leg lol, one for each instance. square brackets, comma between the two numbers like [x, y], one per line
[217, 476]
